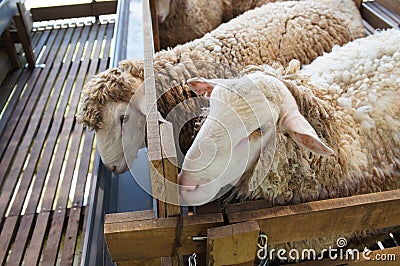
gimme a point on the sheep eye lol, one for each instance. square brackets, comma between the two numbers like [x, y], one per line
[124, 118]
[261, 129]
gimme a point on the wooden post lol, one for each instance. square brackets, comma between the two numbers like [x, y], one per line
[170, 163]
[232, 244]
[155, 238]
[24, 35]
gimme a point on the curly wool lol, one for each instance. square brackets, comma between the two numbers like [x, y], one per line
[300, 30]
[109, 86]
[191, 19]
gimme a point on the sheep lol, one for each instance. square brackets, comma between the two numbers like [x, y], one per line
[330, 130]
[301, 30]
[181, 21]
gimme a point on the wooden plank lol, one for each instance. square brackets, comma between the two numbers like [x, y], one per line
[392, 5]
[129, 216]
[20, 242]
[54, 238]
[74, 11]
[153, 130]
[248, 205]
[59, 100]
[232, 244]
[55, 135]
[7, 234]
[156, 238]
[170, 163]
[210, 207]
[326, 217]
[83, 169]
[19, 147]
[34, 250]
[11, 117]
[71, 130]
[16, 125]
[71, 236]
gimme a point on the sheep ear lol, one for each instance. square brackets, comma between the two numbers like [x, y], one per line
[201, 87]
[304, 134]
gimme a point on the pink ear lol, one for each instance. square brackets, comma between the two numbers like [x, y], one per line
[304, 134]
[201, 87]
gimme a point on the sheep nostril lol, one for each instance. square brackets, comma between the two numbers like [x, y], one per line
[114, 168]
[160, 19]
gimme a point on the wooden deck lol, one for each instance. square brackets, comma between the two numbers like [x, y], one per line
[46, 158]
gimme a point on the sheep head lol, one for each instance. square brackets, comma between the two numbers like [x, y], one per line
[112, 104]
[244, 117]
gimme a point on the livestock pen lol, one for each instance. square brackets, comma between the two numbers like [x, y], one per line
[60, 206]
[216, 235]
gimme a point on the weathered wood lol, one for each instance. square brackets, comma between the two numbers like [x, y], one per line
[74, 11]
[18, 122]
[54, 238]
[24, 35]
[156, 238]
[129, 216]
[71, 236]
[247, 206]
[20, 242]
[170, 162]
[7, 234]
[37, 239]
[52, 137]
[326, 217]
[232, 244]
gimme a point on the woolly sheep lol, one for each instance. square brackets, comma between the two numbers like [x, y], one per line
[349, 96]
[185, 20]
[301, 30]
[261, 127]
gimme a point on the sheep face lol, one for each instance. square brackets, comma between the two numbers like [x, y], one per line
[245, 116]
[163, 8]
[122, 135]
[111, 105]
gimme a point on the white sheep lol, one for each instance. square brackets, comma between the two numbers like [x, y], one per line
[181, 21]
[330, 130]
[301, 30]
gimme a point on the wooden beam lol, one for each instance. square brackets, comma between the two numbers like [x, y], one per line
[74, 11]
[170, 162]
[326, 217]
[232, 244]
[156, 238]
[129, 216]
[24, 35]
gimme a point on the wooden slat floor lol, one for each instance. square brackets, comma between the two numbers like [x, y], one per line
[46, 158]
